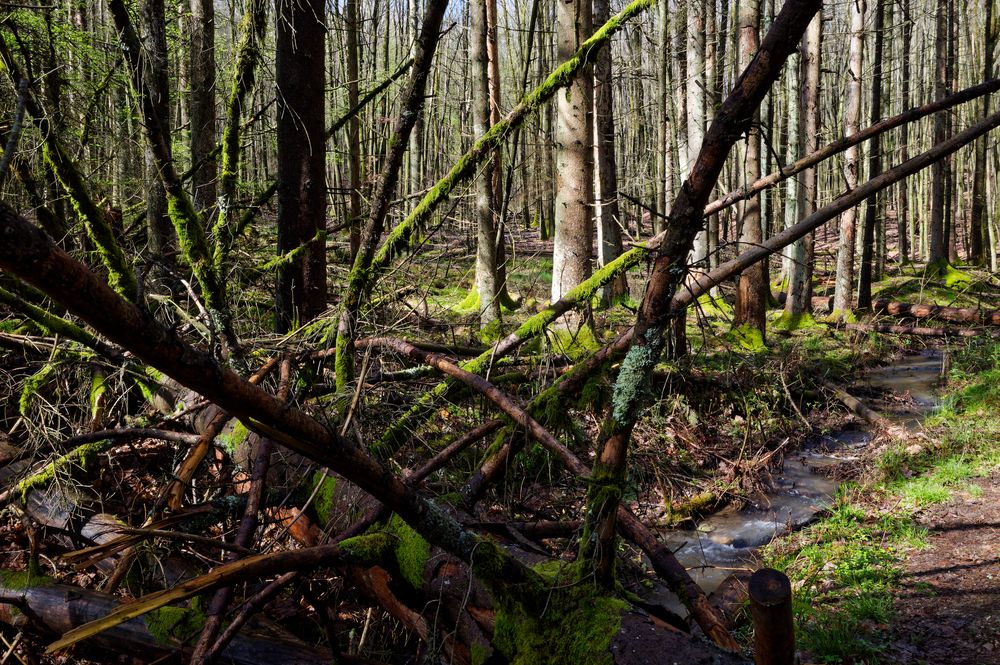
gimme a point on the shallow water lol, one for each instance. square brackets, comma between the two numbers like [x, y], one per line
[725, 541]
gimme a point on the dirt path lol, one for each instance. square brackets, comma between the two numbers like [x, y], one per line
[948, 606]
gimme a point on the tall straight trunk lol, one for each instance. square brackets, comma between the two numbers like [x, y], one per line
[662, 173]
[950, 221]
[486, 258]
[751, 293]
[202, 102]
[161, 234]
[937, 251]
[903, 226]
[793, 148]
[571, 251]
[978, 231]
[353, 128]
[496, 113]
[842, 296]
[872, 208]
[695, 93]
[300, 76]
[609, 238]
[416, 155]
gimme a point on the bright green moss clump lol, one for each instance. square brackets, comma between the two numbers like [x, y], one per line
[577, 628]
[412, 551]
[323, 502]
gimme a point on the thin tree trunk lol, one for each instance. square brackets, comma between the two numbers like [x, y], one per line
[842, 297]
[937, 251]
[486, 258]
[903, 225]
[571, 251]
[202, 103]
[300, 53]
[162, 238]
[609, 238]
[978, 232]
[872, 208]
[751, 294]
[353, 127]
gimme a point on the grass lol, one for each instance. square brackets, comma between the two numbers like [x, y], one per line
[845, 568]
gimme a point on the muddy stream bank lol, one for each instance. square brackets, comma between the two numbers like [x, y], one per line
[725, 542]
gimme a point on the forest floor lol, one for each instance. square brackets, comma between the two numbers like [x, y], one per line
[905, 567]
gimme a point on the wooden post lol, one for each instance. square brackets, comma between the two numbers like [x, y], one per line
[771, 606]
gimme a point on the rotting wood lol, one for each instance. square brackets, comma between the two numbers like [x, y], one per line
[771, 607]
[920, 331]
[951, 314]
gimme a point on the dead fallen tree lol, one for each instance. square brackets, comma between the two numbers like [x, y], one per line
[970, 315]
[37, 605]
[919, 331]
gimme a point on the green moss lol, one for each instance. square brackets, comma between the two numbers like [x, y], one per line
[412, 551]
[715, 306]
[33, 384]
[231, 440]
[576, 627]
[795, 321]
[172, 625]
[18, 580]
[81, 456]
[491, 332]
[576, 344]
[470, 304]
[955, 278]
[369, 549]
[632, 384]
[747, 338]
[323, 502]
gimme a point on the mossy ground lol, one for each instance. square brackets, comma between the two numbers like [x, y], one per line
[846, 568]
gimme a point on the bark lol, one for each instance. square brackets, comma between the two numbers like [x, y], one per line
[918, 331]
[609, 237]
[903, 221]
[843, 299]
[300, 49]
[486, 246]
[354, 127]
[978, 233]
[571, 250]
[937, 252]
[202, 102]
[752, 290]
[951, 314]
[162, 240]
[872, 207]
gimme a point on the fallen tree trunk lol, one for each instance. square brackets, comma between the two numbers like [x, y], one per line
[919, 331]
[951, 314]
[62, 608]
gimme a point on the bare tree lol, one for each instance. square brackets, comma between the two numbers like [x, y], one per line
[202, 103]
[842, 298]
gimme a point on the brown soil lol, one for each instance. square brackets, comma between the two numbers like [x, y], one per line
[948, 607]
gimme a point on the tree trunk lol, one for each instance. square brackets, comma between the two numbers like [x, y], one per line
[202, 103]
[299, 71]
[571, 251]
[978, 233]
[872, 208]
[937, 251]
[842, 298]
[162, 237]
[751, 294]
[486, 246]
[609, 238]
[903, 210]
[353, 127]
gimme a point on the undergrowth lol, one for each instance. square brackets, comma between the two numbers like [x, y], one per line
[846, 567]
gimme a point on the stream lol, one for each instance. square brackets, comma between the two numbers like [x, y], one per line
[725, 541]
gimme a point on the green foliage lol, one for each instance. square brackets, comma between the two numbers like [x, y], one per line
[748, 338]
